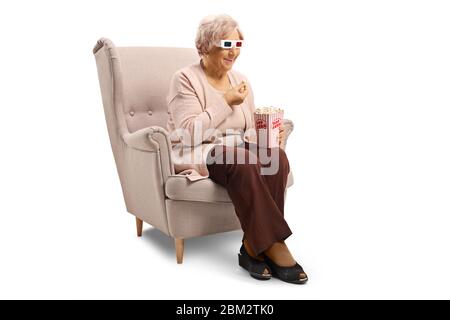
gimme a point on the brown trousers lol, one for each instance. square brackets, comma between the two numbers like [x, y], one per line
[258, 198]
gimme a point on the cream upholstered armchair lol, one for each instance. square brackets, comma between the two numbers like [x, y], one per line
[134, 82]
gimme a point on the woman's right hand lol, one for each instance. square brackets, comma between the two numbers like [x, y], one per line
[237, 94]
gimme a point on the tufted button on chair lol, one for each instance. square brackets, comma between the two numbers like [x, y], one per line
[135, 80]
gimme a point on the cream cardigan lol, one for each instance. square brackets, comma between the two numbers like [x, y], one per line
[193, 100]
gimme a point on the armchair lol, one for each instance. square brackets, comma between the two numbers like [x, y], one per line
[134, 82]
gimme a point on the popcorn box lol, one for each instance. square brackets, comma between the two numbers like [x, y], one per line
[268, 121]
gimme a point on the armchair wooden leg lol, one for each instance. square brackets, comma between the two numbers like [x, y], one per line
[179, 246]
[139, 226]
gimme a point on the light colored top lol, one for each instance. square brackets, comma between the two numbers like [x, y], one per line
[194, 103]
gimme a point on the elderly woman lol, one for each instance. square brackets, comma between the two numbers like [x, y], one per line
[210, 107]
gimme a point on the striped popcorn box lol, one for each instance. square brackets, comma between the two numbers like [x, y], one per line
[267, 124]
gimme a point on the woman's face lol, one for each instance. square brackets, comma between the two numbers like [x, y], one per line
[223, 59]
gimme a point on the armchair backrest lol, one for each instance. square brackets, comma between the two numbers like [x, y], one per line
[135, 80]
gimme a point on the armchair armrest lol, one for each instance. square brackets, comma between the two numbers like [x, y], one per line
[142, 139]
[153, 139]
[288, 128]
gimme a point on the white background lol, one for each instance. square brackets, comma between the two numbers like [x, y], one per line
[366, 84]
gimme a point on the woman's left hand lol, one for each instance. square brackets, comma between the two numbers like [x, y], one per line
[281, 135]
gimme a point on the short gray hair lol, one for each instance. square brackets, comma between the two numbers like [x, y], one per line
[212, 29]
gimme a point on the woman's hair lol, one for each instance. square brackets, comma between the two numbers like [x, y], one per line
[212, 29]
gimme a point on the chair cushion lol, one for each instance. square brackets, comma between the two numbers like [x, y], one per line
[206, 190]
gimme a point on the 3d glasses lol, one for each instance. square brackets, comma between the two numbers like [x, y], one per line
[228, 44]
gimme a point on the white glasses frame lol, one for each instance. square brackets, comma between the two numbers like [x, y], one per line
[233, 44]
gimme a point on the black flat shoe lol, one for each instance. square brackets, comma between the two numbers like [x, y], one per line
[254, 267]
[287, 274]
